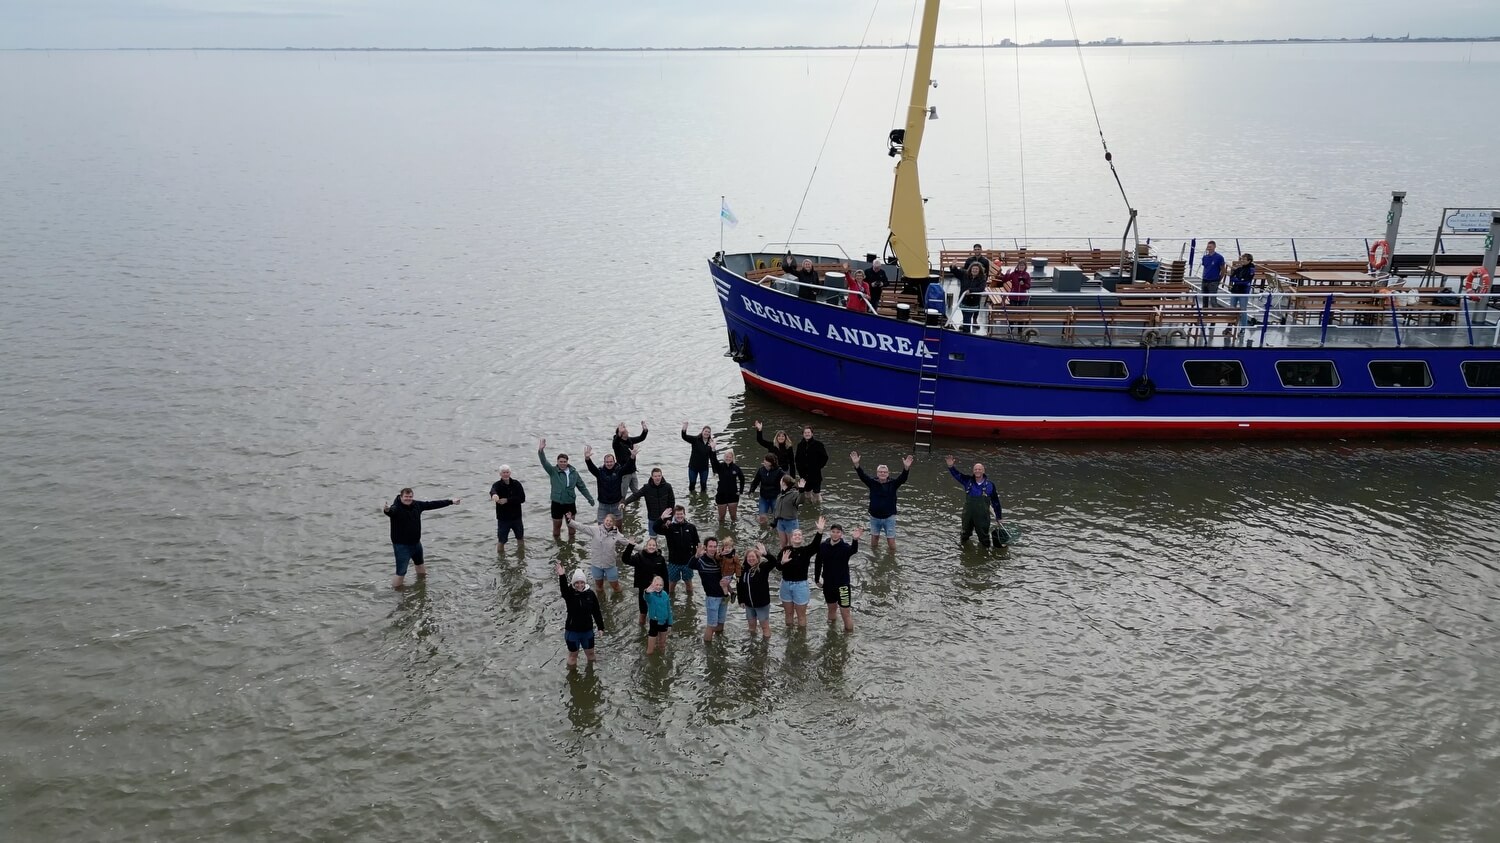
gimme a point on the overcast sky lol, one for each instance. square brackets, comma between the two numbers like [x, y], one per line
[681, 23]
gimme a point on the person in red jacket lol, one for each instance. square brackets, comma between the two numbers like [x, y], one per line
[859, 290]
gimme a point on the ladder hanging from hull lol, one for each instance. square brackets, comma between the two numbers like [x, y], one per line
[927, 384]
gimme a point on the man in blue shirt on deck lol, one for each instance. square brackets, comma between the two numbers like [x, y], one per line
[1213, 269]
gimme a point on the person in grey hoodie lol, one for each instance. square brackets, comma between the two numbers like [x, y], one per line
[786, 507]
[604, 541]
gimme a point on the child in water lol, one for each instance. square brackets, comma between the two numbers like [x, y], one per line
[659, 613]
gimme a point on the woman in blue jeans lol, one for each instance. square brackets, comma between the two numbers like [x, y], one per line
[698, 461]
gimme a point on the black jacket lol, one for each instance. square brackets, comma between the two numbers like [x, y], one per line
[659, 497]
[731, 481]
[768, 480]
[882, 495]
[609, 480]
[646, 565]
[784, 453]
[709, 571]
[831, 564]
[622, 445]
[682, 539]
[702, 451]
[514, 496]
[795, 568]
[583, 607]
[754, 586]
[406, 521]
[811, 457]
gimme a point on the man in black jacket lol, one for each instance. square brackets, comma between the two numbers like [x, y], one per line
[682, 543]
[831, 570]
[811, 457]
[611, 483]
[658, 496]
[583, 614]
[882, 498]
[406, 532]
[508, 497]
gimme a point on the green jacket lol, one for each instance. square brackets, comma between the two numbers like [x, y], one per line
[564, 485]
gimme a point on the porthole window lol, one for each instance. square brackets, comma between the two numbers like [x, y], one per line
[1307, 374]
[1401, 374]
[1105, 369]
[1482, 374]
[1227, 374]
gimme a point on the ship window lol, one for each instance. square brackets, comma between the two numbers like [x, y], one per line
[1307, 373]
[1482, 374]
[956, 356]
[1223, 373]
[1401, 374]
[1110, 369]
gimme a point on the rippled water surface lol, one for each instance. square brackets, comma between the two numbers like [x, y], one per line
[249, 296]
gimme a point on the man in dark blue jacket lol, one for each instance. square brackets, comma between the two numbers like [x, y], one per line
[882, 498]
[406, 532]
[611, 479]
[979, 498]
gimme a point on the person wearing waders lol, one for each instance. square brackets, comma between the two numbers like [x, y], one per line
[979, 498]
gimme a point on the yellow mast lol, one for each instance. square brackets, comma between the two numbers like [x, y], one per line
[908, 222]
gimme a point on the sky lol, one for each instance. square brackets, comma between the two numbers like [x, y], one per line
[690, 23]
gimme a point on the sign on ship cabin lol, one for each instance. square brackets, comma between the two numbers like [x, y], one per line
[851, 336]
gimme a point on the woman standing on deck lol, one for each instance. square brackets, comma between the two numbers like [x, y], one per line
[781, 446]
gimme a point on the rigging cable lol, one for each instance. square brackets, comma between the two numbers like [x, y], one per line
[905, 55]
[984, 82]
[832, 122]
[1078, 45]
[1020, 121]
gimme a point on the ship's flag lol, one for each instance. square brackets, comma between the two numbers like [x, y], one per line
[727, 215]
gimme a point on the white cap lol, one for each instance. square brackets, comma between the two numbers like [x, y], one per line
[578, 576]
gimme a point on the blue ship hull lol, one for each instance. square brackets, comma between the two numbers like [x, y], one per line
[864, 367]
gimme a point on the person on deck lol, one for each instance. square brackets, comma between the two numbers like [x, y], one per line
[682, 540]
[406, 532]
[610, 479]
[648, 564]
[831, 571]
[1213, 271]
[882, 497]
[805, 275]
[810, 458]
[702, 448]
[878, 279]
[730, 486]
[768, 480]
[623, 444]
[972, 280]
[566, 484]
[793, 564]
[604, 541]
[583, 614]
[1017, 286]
[508, 496]
[1241, 282]
[780, 445]
[859, 291]
[706, 563]
[658, 495]
[979, 498]
[977, 256]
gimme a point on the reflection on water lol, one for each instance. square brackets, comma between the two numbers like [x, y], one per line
[584, 698]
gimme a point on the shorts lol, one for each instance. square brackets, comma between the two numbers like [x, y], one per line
[761, 614]
[842, 595]
[723, 498]
[679, 573]
[714, 610]
[765, 506]
[795, 591]
[406, 554]
[579, 640]
[505, 526]
[611, 509]
[657, 628]
[561, 509]
[786, 525]
[814, 483]
[885, 525]
[612, 573]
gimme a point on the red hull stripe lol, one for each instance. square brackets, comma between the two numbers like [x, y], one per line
[1022, 427]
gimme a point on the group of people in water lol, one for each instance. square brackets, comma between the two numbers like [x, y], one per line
[673, 553]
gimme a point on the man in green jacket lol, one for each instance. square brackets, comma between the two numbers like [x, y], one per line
[566, 483]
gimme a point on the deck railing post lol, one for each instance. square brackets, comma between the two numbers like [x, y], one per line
[1294, 250]
[1327, 315]
[1395, 320]
[1469, 319]
[1265, 320]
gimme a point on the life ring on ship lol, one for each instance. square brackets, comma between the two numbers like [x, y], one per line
[1477, 283]
[760, 264]
[1030, 334]
[1142, 388]
[1152, 337]
[1380, 254]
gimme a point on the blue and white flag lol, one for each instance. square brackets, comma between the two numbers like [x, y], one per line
[727, 215]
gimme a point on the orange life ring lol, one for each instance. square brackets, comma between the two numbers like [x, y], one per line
[1477, 283]
[1383, 250]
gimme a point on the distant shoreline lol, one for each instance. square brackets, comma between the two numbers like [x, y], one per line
[1006, 45]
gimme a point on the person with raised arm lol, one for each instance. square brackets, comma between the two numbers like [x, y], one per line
[658, 495]
[698, 460]
[781, 446]
[882, 497]
[508, 495]
[831, 571]
[793, 565]
[604, 541]
[583, 614]
[706, 562]
[730, 486]
[810, 458]
[406, 532]
[979, 498]
[648, 564]
[754, 590]
[682, 540]
[610, 478]
[787, 504]
[768, 480]
[624, 446]
[566, 484]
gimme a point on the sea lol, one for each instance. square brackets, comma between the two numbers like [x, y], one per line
[248, 296]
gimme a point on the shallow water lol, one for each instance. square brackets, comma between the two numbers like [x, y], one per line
[249, 296]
